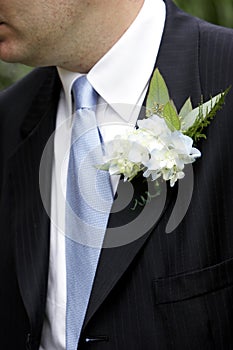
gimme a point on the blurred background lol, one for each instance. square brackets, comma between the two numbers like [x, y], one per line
[216, 11]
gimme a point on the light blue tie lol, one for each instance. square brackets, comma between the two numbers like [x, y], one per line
[89, 199]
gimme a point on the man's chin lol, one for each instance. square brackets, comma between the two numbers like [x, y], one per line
[9, 55]
[8, 59]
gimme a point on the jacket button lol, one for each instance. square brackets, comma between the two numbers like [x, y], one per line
[28, 341]
[95, 339]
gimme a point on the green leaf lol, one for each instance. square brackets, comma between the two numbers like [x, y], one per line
[158, 91]
[206, 112]
[186, 109]
[189, 119]
[171, 117]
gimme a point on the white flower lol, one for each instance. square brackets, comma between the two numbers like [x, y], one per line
[152, 148]
[169, 161]
[126, 157]
[154, 125]
[152, 131]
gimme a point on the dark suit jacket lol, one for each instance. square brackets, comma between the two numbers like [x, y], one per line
[162, 291]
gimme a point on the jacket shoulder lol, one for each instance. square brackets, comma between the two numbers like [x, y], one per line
[215, 57]
[19, 103]
[22, 92]
[216, 37]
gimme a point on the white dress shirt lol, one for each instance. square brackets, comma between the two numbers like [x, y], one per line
[121, 79]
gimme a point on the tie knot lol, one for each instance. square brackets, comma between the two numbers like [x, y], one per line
[84, 94]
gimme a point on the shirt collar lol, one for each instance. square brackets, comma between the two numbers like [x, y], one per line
[121, 76]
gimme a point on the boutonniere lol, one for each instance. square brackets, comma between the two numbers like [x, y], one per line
[162, 143]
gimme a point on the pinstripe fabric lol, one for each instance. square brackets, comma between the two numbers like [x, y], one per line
[162, 291]
[25, 220]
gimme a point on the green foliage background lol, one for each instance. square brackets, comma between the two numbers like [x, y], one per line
[216, 11]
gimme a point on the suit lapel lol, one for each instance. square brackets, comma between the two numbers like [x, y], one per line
[178, 63]
[29, 219]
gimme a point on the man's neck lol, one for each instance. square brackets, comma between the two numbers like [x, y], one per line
[101, 29]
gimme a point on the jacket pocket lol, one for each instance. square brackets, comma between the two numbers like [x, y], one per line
[195, 310]
[194, 284]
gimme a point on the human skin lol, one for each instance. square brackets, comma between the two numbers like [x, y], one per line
[72, 34]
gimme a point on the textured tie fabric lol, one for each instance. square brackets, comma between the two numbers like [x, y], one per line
[88, 203]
